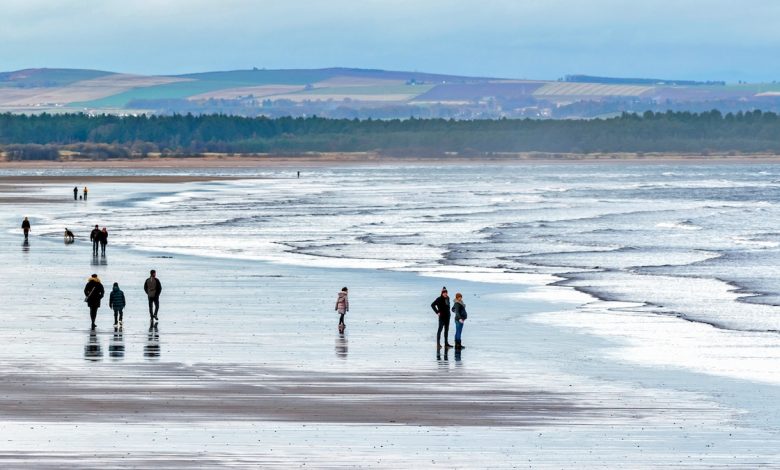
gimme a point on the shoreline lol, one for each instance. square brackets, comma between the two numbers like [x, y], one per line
[375, 159]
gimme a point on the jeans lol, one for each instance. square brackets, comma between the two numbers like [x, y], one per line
[154, 302]
[103, 248]
[458, 330]
[341, 319]
[444, 324]
[95, 244]
[117, 313]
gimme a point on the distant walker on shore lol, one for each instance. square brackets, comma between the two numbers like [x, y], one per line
[153, 288]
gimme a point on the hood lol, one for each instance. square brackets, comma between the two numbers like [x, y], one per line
[94, 279]
[116, 288]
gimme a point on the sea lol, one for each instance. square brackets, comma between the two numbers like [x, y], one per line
[677, 264]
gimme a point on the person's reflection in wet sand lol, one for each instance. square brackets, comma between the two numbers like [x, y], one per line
[98, 261]
[92, 350]
[443, 359]
[26, 246]
[342, 347]
[152, 347]
[116, 347]
[457, 358]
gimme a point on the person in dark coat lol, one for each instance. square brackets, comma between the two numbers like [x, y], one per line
[103, 241]
[95, 236]
[26, 228]
[116, 302]
[76, 193]
[441, 307]
[153, 288]
[459, 307]
[94, 292]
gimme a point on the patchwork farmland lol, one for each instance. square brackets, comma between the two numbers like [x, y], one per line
[345, 92]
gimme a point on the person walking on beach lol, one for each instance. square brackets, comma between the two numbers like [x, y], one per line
[95, 236]
[342, 307]
[103, 241]
[153, 288]
[116, 302]
[93, 292]
[75, 193]
[85, 193]
[26, 228]
[460, 318]
[441, 307]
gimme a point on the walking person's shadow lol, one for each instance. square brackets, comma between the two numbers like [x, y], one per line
[116, 347]
[342, 346]
[152, 346]
[92, 350]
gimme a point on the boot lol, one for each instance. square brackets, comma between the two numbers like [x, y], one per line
[447, 345]
[458, 347]
[438, 345]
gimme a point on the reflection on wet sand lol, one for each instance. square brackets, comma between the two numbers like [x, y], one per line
[342, 347]
[92, 350]
[152, 347]
[99, 261]
[26, 246]
[116, 347]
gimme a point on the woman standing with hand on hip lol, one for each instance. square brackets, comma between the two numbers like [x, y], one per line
[460, 318]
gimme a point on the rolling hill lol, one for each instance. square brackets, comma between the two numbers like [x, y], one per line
[362, 93]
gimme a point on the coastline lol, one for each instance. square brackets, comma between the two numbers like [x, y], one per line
[320, 160]
[260, 367]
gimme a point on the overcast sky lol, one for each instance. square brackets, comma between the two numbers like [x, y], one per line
[684, 39]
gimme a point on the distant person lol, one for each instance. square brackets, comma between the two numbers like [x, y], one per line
[69, 237]
[153, 288]
[75, 193]
[103, 241]
[94, 292]
[95, 236]
[116, 302]
[441, 306]
[460, 318]
[26, 228]
[299, 175]
[86, 191]
[342, 307]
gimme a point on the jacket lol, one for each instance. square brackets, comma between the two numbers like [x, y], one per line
[441, 306]
[26, 224]
[342, 303]
[103, 237]
[152, 287]
[95, 235]
[460, 311]
[93, 292]
[116, 300]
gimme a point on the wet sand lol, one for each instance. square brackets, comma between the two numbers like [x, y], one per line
[246, 369]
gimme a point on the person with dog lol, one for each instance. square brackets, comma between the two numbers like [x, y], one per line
[93, 292]
[95, 236]
[153, 288]
[459, 307]
[75, 193]
[116, 302]
[441, 307]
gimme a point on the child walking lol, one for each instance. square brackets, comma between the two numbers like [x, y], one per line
[116, 301]
[342, 307]
[460, 318]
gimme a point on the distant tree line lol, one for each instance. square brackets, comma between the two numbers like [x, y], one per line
[109, 136]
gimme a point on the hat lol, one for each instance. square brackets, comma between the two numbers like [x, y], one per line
[443, 290]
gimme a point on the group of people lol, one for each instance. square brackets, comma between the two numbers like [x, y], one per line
[441, 307]
[94, 293]
[76, 196]
[99, 238]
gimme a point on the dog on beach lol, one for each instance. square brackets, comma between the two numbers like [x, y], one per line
[69, 238]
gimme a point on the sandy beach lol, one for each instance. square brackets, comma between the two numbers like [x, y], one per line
[246, 367]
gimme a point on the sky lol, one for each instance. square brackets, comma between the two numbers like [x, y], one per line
[535, 39]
